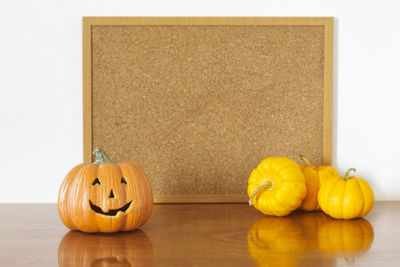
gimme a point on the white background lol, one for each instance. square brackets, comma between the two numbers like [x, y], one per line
[41, 92]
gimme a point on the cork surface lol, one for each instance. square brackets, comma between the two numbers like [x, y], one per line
[198, 107]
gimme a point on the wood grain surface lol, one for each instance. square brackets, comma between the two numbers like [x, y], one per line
[203, 235]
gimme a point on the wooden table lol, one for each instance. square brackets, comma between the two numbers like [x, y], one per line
[203, 235]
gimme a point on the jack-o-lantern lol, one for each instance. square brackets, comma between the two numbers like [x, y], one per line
[89, 250]
[105, 196]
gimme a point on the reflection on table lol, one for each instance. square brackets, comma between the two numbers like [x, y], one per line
[308, 238]
[94, 250]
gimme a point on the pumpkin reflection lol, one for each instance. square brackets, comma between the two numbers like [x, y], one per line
[310, 222]
[285, 241]
[346, 238]
[121, 249]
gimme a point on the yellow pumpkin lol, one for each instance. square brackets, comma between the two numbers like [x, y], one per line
[276, 187]
[105, 196]
[121, 249]
[345, 238]
[345, 197]
[315, 177]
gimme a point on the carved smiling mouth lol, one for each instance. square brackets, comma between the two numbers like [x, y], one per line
[114, 212]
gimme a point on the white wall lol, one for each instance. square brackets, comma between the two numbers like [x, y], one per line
[40, 83]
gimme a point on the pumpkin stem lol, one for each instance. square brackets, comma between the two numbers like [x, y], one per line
[101, 156]
[347, 174]
[305, 160]
[267, 185]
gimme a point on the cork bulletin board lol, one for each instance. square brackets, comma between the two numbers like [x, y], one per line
[199, 102]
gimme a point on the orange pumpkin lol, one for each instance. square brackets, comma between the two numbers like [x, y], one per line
[346, 197]
[121, 249]
[315, 177]
[105, 196]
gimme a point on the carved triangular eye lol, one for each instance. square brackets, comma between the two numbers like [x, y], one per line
[96, 181]
[123, 181]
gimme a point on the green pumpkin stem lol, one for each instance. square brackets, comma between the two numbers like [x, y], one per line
[101, 156]
[307, 163]
[347, 174]
[267, 185]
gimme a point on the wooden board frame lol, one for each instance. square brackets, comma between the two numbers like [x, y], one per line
[88, 22]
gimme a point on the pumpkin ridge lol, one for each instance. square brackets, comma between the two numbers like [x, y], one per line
[262, 171]
[330, 192]
[132, 176]
[63, 196]
[322, 194]
[123, 222]
[74, 190]
[368, 195]
[146, 183]
[339, 185]
[274, 205]
[358, 205]
[289, 190]
[283, 202]
[343, 196]
[363, 195]
[80, 203]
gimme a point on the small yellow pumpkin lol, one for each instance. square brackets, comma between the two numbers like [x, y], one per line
[315, 177]
[276, 187]
[345, 197]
